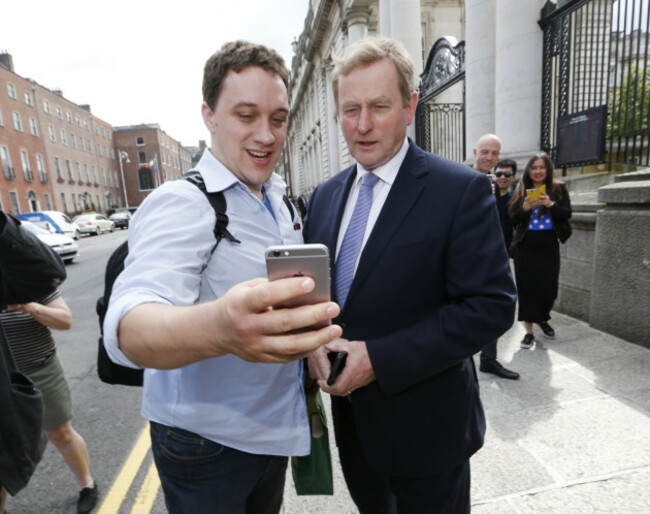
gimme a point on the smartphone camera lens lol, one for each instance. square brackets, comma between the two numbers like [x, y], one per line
[276, 254]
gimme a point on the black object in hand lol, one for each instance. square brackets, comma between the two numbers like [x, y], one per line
[337, 360]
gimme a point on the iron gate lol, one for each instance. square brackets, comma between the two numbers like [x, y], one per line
[440, 115]
[596, 55]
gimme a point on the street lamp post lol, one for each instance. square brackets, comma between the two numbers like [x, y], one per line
[122, 155]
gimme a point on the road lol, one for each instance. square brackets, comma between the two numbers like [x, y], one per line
[108, 417]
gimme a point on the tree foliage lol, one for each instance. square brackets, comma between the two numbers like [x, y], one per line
[629, 103]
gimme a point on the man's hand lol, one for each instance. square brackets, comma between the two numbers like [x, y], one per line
[357, 372]
[256, 332]
[242, 322]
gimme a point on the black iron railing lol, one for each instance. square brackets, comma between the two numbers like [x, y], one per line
[597, 54]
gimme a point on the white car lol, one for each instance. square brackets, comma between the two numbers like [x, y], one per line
[93, 223]
[65, 246]
[52, 221]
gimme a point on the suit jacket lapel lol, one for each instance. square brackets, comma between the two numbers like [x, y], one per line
[401, 198]
[337, 201]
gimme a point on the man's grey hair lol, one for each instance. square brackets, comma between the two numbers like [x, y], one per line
[370, 50]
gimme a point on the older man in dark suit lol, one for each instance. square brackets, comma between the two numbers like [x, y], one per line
[422, 276]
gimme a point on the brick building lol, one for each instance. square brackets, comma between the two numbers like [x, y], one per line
[149, 157]
[24, 181]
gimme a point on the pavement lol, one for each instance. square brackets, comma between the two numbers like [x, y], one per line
[572, 435]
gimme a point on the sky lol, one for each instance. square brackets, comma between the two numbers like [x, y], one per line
[137, 61]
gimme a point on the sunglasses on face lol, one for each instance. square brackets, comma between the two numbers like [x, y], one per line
[506, 174]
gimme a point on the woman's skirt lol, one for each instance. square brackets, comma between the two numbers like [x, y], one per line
[537, 271]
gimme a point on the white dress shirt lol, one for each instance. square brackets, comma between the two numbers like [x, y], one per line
[386, 174]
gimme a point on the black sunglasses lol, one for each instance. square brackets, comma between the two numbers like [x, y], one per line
[506, 174]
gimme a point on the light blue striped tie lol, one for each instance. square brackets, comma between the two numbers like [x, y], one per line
[353, 238]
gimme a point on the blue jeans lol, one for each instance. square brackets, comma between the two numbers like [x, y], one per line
[200, 476]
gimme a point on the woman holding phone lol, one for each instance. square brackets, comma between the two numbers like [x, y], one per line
[540, 209]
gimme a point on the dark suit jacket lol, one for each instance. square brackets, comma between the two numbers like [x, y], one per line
[432, 288]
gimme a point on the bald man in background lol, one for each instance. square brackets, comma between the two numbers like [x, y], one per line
[486, 155]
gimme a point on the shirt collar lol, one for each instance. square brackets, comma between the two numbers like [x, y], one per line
[386, 172]
[219, 178]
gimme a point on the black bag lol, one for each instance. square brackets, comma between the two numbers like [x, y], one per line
[22, 439]
[110, 372]
[29, 269]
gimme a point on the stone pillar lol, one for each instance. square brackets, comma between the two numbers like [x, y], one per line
[620, 300]
[357, 19]
[406, 26]
[480, 49]
[518, 78]
[384, 17]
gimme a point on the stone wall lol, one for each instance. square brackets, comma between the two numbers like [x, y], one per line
[605, 271]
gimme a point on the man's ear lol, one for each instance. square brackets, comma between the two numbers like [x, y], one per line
[412, 106]
[208, 117]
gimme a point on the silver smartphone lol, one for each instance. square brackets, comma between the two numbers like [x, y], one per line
[311, 260]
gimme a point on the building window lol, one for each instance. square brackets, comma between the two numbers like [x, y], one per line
[78, 121]
[17, 121]
[1, 122]
[64, 203]
[79, 177]
[86, 173]
[142, 157]
[46, 106]
[86, 125]
[32, 202]
[145, 179]
[68, 117]
[73, 140]
[24, 159]
[6, 163]
[11, 90]
[64, 139]
[52, 133]
[57, 167]
[89, 145]
[95, 176]
[14, 203]
[59, 113]
[81, 143]
[99, 150]
[68, 167]
[104, 177]
[33, 127]
[40, 166]
[139, 141]
[28, 98]
[110, 179]
[48, 205]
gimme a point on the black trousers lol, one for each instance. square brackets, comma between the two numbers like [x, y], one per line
[489, 352]
[378, 493]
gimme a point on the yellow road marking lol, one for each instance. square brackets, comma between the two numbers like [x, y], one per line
[120, 488]
[148, 492]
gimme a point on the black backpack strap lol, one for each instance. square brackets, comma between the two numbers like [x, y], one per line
[218, 201]
[287, 202]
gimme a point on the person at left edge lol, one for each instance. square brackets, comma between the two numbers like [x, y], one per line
[223, 376]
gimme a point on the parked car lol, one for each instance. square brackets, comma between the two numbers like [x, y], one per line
[121, 219]
[93, 223]
[52, 221]
[65, 246]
